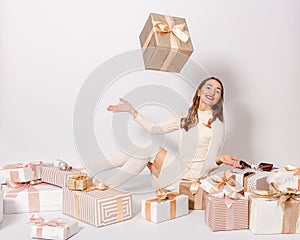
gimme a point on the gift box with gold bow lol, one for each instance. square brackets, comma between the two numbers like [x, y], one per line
[34, 196]
[226, 212]
[165, 206]
[60, 174]
[165, 42]
[223, 182]
[56, 228]
[191, 188]
[22, 172]
[274, 211]
[97, 206]
[80, 182]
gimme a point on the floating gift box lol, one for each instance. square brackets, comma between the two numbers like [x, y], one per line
[57, 228]
[80, 182]
[191, 188]
[31, 197]
[1, 204]
[165, 206]
[274, 212]
[223, 182]
[20, 172]
[166, 43]
[97, 207]
[224, 213]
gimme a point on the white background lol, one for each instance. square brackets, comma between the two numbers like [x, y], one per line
[48, 49]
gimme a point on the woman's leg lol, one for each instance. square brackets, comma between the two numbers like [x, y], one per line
[156, 166]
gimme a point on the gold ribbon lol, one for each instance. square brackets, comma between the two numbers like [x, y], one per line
[191, 187]
[41, 222]
[296, 171]
[176, 32]
[76, 179]
[290, 199]
[33, 193]
[226, 179]
[161, 196]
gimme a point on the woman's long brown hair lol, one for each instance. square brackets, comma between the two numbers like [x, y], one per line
[192, 119]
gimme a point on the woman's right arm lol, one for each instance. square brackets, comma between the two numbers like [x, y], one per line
[153, 128]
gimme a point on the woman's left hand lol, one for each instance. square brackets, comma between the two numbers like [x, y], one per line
[229, 160]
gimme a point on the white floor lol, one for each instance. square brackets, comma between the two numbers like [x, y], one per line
[192, 226]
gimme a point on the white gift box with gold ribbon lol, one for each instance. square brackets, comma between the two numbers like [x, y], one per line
[57, 228]
[274, 212]
[31, 197]
[165, 206]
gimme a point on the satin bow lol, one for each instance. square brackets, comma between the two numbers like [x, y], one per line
[21, 165]
[38, 220]
[293, 168]
[195, 184]
[163, 196]
[226, 179]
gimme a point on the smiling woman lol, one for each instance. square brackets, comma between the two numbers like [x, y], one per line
[201, 139]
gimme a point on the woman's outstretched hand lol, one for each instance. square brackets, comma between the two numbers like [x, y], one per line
[125, 106]
[229, 160]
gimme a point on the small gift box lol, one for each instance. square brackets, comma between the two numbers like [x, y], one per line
[33, 196]
[166, 43]
[97, 206]
[80, 182]
[224, 213]
[58, 175]
[165, 206]
[57, 228]
[257, 180]
[20, 172]
[221, 182]
[274, 211]
[191, 188]
[1, 204]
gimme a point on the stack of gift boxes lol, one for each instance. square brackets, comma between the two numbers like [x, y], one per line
[256, 199]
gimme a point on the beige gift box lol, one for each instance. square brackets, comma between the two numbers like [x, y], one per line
[97, 207]
[165, 42]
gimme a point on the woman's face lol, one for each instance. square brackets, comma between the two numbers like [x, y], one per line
[210, 94]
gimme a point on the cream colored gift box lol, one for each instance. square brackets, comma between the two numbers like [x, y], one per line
[32, 198]
[166, 43]
[159, 211]
[58, 231]
[20, 172]
[266, 217]
[97, 207]
[285, 179]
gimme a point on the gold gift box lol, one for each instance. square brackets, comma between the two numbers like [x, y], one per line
[197, 196]
[165, 42]
[80, 182]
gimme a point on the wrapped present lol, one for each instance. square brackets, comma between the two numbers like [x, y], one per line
[274, 211]
[57, 228]
[166, 43]
[1, 204]
[97, 206]
[257, 180]
[285, 180]
[80, 182]
[58, 175]
[191, 188]
[33, 196]
[165, 206]
[224, 213]
[221, 182]
[20, 172]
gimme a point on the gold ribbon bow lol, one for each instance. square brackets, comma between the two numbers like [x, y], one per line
[293, 168]
[195, 184]
[163, 196]
[290, 200]
[226, 179]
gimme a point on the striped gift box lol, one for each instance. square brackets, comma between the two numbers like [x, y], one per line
[223, 214]
[56, 176]
[97, 208]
